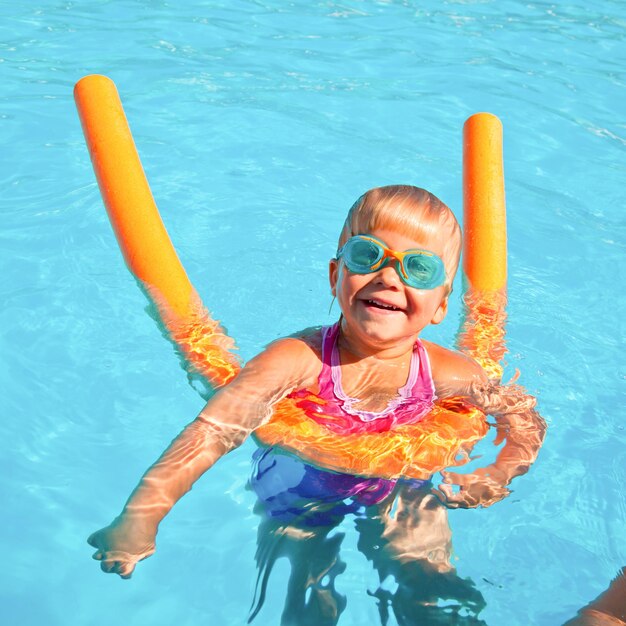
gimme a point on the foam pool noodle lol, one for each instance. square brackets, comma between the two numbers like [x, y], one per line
[485, 243]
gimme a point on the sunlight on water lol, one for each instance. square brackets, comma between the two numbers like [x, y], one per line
[258, 124]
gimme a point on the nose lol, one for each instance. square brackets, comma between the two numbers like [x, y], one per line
[388, 276]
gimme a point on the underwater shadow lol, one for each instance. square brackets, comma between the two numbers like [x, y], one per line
[406, 537]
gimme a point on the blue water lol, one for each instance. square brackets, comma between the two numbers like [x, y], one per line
[259, 123]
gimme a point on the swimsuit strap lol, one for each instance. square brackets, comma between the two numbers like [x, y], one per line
[424, 383]
[419, 387]
[325, 380]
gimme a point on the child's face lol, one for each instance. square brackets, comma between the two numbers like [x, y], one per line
[365, 299]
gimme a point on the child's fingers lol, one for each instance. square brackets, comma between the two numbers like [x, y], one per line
[500, 435]
[449, 497]
[468, 480]
[107, 566]
[445, 490]
[457, 499]
[115, 561]
[114, 566]
[125, 570]
[99, 554]
[440, 495]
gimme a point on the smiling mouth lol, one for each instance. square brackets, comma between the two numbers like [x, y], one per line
[377, 304]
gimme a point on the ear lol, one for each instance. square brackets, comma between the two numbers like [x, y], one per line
[440, 313]
[333, 275]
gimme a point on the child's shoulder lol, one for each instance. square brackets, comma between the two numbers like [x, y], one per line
[295, 359]
[305, 343]
[453, 372]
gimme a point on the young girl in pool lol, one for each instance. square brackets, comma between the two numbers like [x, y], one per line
[392, 276]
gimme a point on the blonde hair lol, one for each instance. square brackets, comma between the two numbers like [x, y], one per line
[409, 210]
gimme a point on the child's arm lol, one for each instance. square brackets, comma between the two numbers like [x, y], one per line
[523, 431]
[224, 423]
[522, 428]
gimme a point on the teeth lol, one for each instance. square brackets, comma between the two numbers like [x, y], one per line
[383, 305]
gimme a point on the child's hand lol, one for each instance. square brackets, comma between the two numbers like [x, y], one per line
[121, 545]
[477, 489]
[496, 399]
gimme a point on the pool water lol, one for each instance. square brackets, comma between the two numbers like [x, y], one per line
[259, 123]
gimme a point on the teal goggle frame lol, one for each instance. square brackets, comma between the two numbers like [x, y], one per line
[421, 269]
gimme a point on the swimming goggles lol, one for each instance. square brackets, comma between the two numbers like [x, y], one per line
[364, 254]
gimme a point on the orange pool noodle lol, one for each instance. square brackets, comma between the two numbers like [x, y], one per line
[484, 243]
[484, 209]
[141, 235]
[442, 439]
[140, 232]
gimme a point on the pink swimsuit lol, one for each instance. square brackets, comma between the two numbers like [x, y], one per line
[294, 491]
[338, 413]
